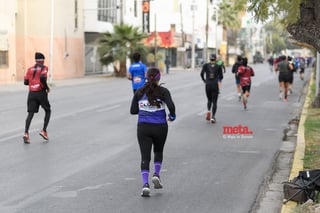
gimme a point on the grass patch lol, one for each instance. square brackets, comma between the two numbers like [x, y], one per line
[312, 139]
[312, 133]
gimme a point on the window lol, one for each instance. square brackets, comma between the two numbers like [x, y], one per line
[107, 10]
[4, 58]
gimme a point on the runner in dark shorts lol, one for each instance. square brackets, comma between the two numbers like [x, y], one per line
[245, 73]
[234, 70]
[36, 79]
[284, 69]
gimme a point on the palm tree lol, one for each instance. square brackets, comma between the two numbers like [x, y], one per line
[230, 12]
[118, 45]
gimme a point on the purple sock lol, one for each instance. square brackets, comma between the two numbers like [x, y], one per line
[145, 176]
[157, 168]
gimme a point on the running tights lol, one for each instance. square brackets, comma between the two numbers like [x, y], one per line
[151, 135]
[212, 96]
[46, 120]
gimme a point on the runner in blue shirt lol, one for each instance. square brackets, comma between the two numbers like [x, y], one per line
[137, 72]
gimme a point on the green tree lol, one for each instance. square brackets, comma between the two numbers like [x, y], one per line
[229, 13]
[278, 43]
[278, 38]
[300, 17]
[116, 46]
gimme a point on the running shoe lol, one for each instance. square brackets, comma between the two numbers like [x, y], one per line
[44, 134]
[156, 181]
[145, 190]
[280, 95]
[285, 99]
[26, 138]
[208, 116]
[213, 120]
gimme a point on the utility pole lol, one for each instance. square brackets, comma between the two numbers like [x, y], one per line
[155, 40]
[207, 32]
[121, 12]
[216, 9]
[182, 35]
[193, 8]
[51, 42]
[181, 20]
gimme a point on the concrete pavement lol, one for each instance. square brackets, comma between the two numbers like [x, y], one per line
[288, 162]
[270, 197]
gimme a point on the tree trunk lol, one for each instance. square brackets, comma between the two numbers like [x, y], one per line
[123, 69]
[120, 69]
[307, 28]
[316, 102]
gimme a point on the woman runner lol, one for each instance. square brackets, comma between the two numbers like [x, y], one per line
[149, 103]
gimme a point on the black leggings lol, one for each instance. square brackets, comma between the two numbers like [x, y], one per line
[46, 120]
[212, 92]
[148, 135]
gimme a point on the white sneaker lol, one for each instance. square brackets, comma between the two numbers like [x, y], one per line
[156, 181]
[145, 190]
[281, 95]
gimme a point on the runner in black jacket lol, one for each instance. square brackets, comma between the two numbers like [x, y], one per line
[210, 74]
[235, 68]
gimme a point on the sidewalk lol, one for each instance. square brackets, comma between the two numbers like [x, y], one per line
[19, 86]
[297, 164]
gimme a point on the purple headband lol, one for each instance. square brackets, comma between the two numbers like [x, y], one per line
[157, 77]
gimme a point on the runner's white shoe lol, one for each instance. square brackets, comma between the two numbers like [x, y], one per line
[157, 182]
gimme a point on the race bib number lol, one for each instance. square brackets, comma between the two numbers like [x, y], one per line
[137, 79]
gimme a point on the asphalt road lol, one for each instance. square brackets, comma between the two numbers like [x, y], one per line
[91, 163]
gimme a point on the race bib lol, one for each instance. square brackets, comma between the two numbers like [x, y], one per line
[137, 79]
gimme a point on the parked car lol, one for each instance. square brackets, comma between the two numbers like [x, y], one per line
[257, 58]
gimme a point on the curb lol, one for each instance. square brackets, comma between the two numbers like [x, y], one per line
[297, 164]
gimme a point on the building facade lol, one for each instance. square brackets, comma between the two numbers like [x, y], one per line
[53, 27]
[67, 33]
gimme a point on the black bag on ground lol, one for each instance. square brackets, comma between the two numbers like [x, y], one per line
[293, 191]
[303, 187]
[312, 175]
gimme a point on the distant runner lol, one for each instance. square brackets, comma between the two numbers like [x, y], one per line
[245, 73]
[235, 68]
[210, 74]
[137, 72]
[36, 79]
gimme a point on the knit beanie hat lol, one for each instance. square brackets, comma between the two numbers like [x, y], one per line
[39, 56]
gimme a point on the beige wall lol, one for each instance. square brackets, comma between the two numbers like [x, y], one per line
[31, 32]
[7, 39]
